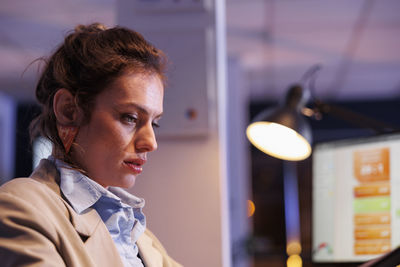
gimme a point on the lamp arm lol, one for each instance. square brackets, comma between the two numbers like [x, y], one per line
[355, 118]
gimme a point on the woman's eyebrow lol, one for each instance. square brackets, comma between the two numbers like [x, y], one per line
[140, 108]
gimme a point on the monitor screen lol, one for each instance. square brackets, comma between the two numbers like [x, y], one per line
[356, 199]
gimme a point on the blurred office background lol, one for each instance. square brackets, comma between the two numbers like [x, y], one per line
[230, 60]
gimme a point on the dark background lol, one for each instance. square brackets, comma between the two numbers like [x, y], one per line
[267, 181]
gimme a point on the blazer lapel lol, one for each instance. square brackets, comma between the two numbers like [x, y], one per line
[151, 256]
[86, 223]
[96, 237]
[97, 240]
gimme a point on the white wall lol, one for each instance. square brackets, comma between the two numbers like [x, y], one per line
[184, 182]
[182, 188]
[238, 163]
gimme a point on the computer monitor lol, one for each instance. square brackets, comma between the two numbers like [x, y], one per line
[356, 198]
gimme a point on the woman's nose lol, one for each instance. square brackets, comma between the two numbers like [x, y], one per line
[145, 139]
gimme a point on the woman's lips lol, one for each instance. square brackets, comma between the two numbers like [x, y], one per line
[135, 165]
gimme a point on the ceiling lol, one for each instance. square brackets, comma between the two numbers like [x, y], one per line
[32, 29]
[356, 43]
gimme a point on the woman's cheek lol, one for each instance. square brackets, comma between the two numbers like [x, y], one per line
[118, 137]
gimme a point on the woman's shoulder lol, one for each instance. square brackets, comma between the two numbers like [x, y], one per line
[27, 190]
[40, 190]
[27, 201]
[21, 186]
[21, 183]
[43, 179]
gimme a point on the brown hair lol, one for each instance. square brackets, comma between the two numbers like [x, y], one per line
[88, 60]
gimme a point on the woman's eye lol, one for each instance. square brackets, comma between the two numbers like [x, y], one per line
[155, 125]
[128, 118]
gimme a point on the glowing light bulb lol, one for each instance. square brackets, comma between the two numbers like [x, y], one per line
[293, 248]
[278, 141]
[251, 208]
[294, 261]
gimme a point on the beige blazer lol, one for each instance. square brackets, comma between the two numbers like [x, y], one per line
[39, 228]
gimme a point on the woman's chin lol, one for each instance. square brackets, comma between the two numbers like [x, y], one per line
[126, 182]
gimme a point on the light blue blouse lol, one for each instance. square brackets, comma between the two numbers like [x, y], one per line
[120, 211]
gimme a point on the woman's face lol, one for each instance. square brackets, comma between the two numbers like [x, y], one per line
[112, 148]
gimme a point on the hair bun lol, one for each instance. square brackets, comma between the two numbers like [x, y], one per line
[91, 28]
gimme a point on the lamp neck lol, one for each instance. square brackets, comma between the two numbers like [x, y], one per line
[295, 97]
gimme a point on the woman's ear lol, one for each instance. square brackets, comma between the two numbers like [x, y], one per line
[68, 116]
[65, 109]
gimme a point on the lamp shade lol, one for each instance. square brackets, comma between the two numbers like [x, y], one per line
[283, 132]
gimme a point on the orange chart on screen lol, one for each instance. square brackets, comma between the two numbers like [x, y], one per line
[371, 204]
